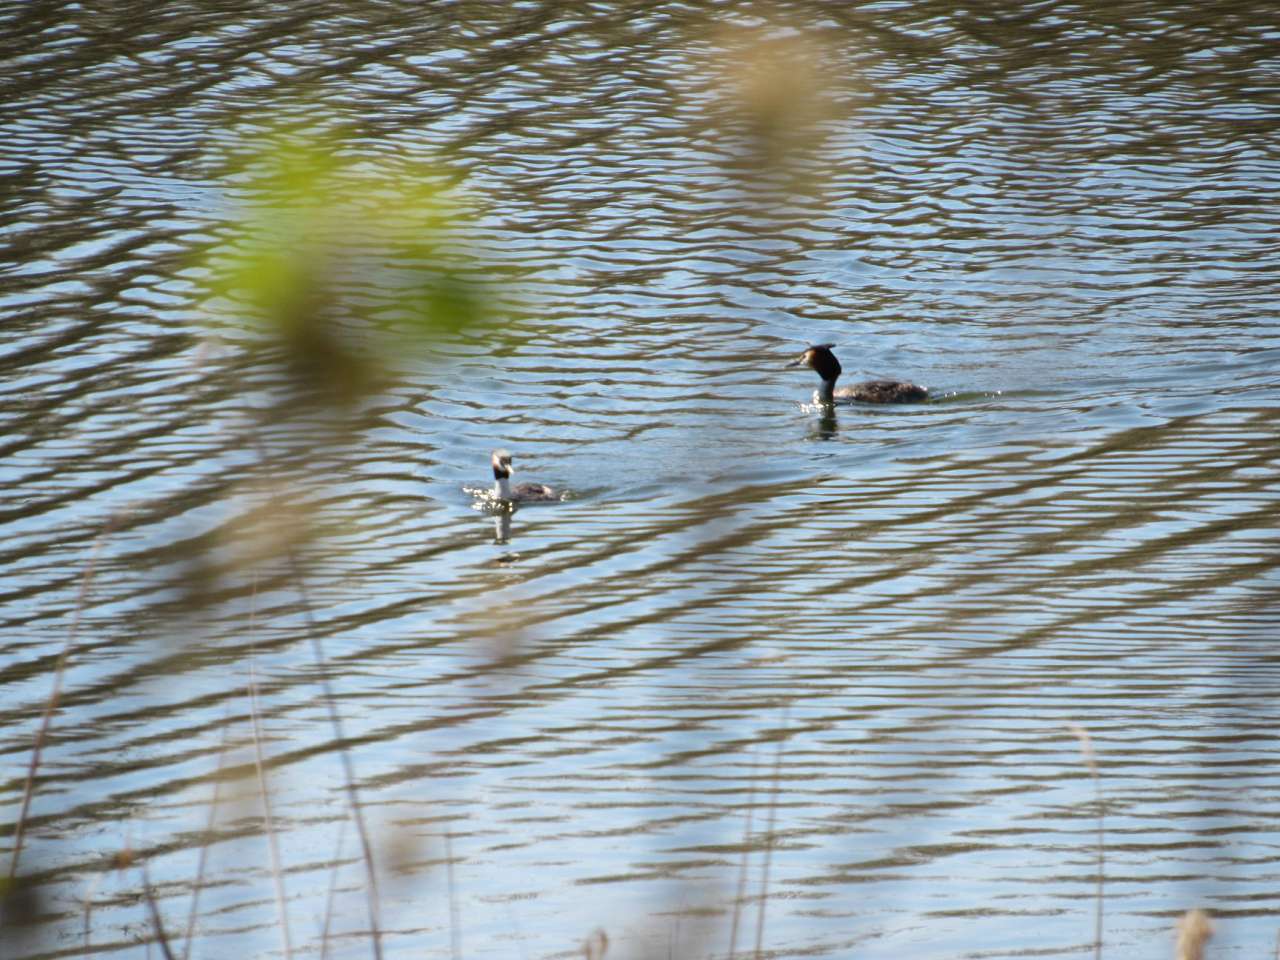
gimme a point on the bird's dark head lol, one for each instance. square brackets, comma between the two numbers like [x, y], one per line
[821, 360]
[501, 464]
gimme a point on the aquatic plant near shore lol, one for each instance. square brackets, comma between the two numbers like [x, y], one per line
[342, 263]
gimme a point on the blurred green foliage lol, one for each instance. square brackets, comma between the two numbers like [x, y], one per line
[345, 260]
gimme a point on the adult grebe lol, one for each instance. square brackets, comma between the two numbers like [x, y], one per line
[822, 361]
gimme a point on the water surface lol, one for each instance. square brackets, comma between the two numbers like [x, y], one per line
[844, 649]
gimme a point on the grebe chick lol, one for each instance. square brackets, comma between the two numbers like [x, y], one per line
[822, 361]
[521, 492]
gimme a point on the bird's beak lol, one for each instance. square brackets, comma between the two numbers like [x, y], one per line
[795, 363]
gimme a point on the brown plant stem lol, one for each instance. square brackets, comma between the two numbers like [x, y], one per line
[161, 937]
[335, 722]
[1091, 761]
[333, 886]
[455, 923]
[348, 768]
[273, 844]
[204, 847]
[769, 839]
[46, 721]
[739, 896]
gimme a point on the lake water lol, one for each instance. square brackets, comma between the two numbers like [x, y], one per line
[761, 655]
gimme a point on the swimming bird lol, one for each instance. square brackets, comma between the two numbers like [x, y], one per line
[521, 492]
[822, 361]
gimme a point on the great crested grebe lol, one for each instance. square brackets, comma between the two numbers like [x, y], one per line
[504, 490]
[823, 362]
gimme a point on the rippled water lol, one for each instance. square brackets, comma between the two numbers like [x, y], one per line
[841, 650]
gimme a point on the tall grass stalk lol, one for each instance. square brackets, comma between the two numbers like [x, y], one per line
[339, 737]
[333, 889]
[55, 695]
[193, 912]
[344, 755]
[88, 915]
[769, 839]
[1091, 761]
[273, 842]
[455, 922]
[739, 896]
[160, 936]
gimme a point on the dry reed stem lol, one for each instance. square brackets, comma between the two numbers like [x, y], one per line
[88, 915]
[1194, 930]
[739, 896]
[455, 923]
[204, 847]
[1091, 761]
[333, 886]
[150, 897]
[348, 768]
[339, 737]
[769, 839]
[273, 843]
[46, 721]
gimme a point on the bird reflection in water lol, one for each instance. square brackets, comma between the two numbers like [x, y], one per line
[502, 514]
[502, 526]
[826, 427]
